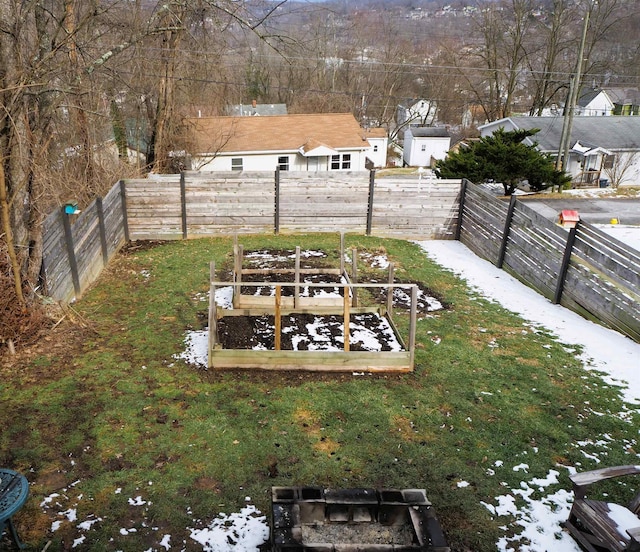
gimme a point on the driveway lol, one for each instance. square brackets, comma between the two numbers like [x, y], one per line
[594, 211]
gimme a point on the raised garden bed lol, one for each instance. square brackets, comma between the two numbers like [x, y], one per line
[294, 319]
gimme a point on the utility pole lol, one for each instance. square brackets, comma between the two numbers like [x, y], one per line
[562, 161]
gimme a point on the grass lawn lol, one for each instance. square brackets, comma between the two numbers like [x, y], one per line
[114, 432]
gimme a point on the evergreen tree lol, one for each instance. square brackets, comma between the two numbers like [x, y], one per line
[503, 157]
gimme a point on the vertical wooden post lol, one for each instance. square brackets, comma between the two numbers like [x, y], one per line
[354, 275]
[390, 291]
[213, 313]
[71, 253]
[296, 288]
[412, 323]
[123, 206]
[463, 193]
[276, 215]
[237, 274]
[341, 253]
[278, 320]
[372, 180]
[505, 232]
[347, 318]
[564, 266]
[103, 231]
[183, 205]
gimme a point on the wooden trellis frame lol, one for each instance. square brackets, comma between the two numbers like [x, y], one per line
[346, 360]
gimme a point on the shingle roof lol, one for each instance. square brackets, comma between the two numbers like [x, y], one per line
[617, 133]
[276, 133]
[429, 132]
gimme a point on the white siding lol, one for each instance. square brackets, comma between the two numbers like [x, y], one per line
[419, 151]
[379, 157]
[269, 161]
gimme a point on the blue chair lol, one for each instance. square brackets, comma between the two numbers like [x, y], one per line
[14, 489]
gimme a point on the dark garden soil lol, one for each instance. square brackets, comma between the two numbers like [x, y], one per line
[257, 332]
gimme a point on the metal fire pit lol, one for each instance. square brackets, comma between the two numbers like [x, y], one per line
[353, 520]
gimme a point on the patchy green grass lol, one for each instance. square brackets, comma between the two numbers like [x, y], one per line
[112, 415]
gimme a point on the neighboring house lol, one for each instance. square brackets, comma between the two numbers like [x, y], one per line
[423, 146]
[626, 101]
[417, 112]
[317, 142]
[600, 147]
[593, 103]
[256, 109]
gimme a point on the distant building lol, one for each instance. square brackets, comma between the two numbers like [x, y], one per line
[423, 146]
[316, 142]
[256, 109]
[416, 112]
[598, 145]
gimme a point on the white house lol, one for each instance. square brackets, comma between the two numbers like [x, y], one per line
[594, 103]
[316, 142]
[600, 147]
[423, 146]
[417, 112]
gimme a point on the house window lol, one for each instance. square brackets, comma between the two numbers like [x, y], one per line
[375, 147]
[341, 161]
[283, 163]
[423, 147]
[236, 163]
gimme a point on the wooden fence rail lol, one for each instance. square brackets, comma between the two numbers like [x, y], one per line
[585, 270]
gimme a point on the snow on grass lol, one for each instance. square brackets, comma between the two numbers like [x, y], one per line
[244, 531]
[538, 515]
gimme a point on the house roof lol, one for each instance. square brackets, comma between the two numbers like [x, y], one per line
[377, 132]
[624, 96]
[587, 95]
[615, 133]
[339, 131]
[429, 132]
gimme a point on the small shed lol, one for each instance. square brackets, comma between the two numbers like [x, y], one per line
[569, 218]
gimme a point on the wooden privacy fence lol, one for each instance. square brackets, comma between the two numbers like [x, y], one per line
[583, 269]
[195, 205]
[77, 247]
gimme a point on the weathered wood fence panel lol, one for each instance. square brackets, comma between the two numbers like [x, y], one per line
[77, 247]
[154, 208]
[56, 269]
[416, 208]
[323, 202]
[585, 270]
[226, 203]
[534, 249]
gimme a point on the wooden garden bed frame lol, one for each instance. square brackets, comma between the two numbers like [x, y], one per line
[277, 306]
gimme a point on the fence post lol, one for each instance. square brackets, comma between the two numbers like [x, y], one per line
[125, 216]
[564, 266]
[73, 263]
[183, 205]
[276, 222]
[372, 182]
[463, 193]
[103, 231]
[505, 232]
